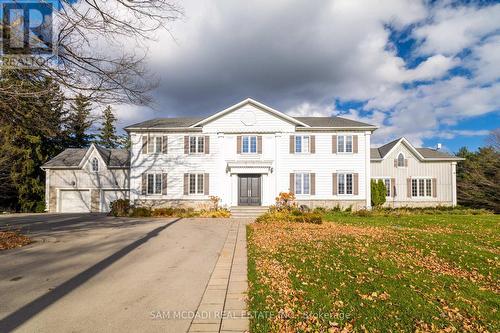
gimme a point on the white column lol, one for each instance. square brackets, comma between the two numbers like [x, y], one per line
[454, 183]
[368, 192]
[47, 189]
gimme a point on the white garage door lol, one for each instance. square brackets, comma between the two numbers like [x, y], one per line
[74, 201]
[109, 196]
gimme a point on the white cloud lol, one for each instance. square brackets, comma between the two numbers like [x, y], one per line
[454, 28]
[307, 109]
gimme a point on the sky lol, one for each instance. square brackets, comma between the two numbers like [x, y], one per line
[425, 70]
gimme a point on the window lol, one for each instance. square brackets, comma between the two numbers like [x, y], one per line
[302, 183]
[302, 144]
[345, 183]
[196, 181]
[421, 187]
[387, 183]
[249, 144]
[154, 183]
[95, 164]
[196, 144]
[401, 160]
[154, 144]
[344, 143]
[158, 141]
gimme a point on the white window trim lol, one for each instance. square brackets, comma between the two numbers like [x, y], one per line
[197, 145]
[92, 164]
[302, 194]
[425, 196]
[345, 173]
[157, 176]
[249, 152]
[302, 144]
[196, 180]
[345, 144]
[153, 138]
[397, 159]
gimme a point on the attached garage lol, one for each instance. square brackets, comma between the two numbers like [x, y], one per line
[74, 201]
[86, 180]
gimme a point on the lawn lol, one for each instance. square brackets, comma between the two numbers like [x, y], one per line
[416, 273]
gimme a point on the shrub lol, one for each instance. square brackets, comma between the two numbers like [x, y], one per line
[408, 211]
[220, 213]
[378, 192]
[285, 201]
[140, 212]
[120, 207]
[40, 207]
[215, 200]
[293, 215]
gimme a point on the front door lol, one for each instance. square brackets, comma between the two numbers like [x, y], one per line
[249, 190]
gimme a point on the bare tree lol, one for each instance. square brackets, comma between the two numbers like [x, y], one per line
[89, 58]
[494, 139]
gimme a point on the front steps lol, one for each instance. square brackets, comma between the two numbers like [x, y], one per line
[248, 212]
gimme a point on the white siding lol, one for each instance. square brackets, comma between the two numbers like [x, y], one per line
[442, 171]
[264, 122]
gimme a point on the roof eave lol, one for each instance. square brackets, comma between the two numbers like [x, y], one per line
[162, 129]
[336, 128]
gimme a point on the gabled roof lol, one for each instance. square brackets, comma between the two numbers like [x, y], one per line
[254, 103]
[70, 157]
[332, 122]
[74, 157]
[301, 122]
[166, 123]
[423, 154]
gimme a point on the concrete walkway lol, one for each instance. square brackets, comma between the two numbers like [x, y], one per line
[223, 305]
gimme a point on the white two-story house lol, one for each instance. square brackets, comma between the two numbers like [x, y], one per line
[246, 155]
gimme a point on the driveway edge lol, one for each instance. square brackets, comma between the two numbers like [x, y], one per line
[223, 305]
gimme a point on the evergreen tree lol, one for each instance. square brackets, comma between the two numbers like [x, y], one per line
[29, 140]
[79, 122]
[478, 178]
[107, 133]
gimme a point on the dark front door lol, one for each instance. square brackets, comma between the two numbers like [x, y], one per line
[249, 190]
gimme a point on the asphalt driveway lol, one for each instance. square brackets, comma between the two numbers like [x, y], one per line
[99, 273]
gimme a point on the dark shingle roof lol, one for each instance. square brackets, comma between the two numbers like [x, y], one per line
[374, 153]
[166, 123]
[71, 157]
[331, 122]
[380, 152]
[186, 122]
[68, 158]
[383, 150]
[114, 157]
[433, 153]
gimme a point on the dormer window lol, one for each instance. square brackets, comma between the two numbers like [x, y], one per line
[401, 160]
[95, 165]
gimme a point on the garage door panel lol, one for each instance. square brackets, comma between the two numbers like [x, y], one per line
[109, 196]
[74, 201]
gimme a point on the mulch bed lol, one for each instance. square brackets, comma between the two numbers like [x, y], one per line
[12, 239]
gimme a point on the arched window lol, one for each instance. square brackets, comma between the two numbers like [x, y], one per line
[401, 160]
[95, 164]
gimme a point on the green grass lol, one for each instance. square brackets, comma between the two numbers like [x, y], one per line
[379, 273]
